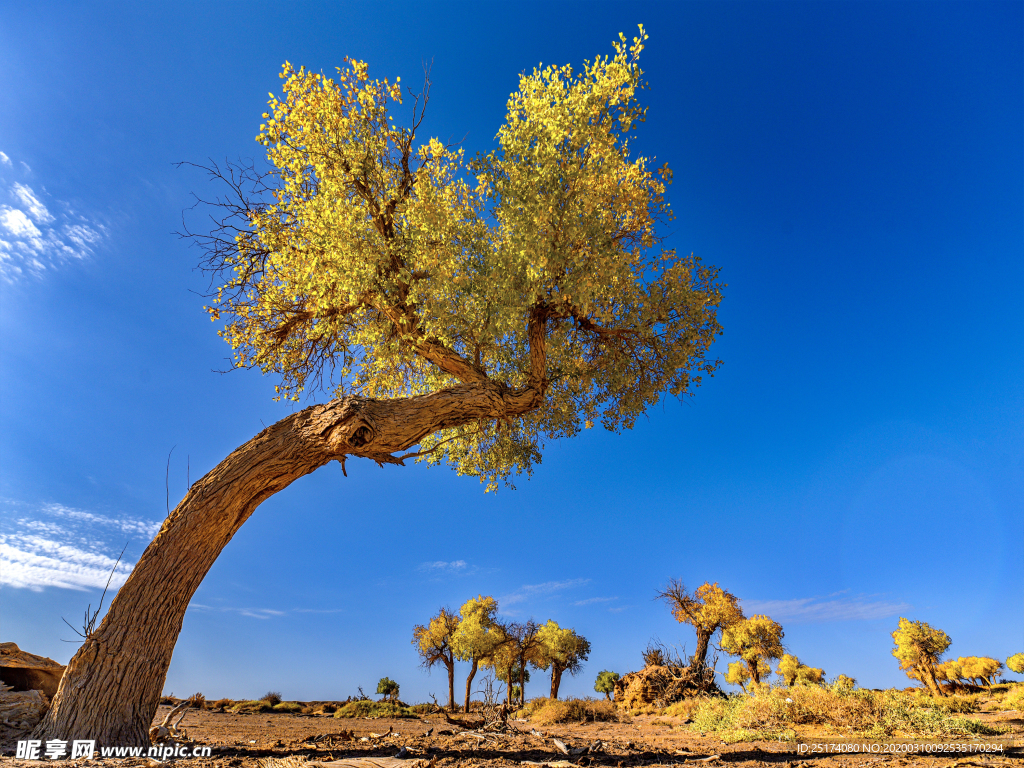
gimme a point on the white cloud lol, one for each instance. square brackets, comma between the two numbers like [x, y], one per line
[30, 202]
[527, 591]
[829, 608]
[33, 239]
[440, 566]
[59, 546]
[592, 600]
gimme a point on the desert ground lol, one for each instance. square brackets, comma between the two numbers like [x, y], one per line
[278, 740]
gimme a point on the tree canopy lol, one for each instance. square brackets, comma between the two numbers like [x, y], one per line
[793, 672]
[605, 682]
[1015, 663]
[708, 610]
[434, 644]
[563, 651]
[367, 263]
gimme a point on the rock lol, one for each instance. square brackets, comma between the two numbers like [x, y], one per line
[20, 712]
[27, 672]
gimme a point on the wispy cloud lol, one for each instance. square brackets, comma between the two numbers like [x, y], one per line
[548, 588]
[835, 607]
[259, 613]
[592, 600]
[57, 546]
[441, 566]
[33, 239]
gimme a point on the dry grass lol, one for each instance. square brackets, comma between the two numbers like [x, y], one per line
[550, 711]
[772, 713]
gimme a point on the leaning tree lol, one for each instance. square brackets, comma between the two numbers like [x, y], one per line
[456, 311]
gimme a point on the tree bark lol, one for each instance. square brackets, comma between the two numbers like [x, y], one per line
[701, 654]
[556, 680]
[111, 688]
[752, 666]
[451, 686]
[469, 681]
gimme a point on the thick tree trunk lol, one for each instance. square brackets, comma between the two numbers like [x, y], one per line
[556, 680]
[469, 681]
[928, 675]
[111, 688]
[522, 685]
[701, 654]
[752, 666]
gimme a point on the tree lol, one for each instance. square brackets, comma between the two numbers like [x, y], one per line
[755, 640]
[454, 312]
[980, 669]
[605, 683]
[708, 610]
[918, 648]
[387, 687]
[1016, 663]
[845, 682]
[793, 672]
[477, 637]
[563, 650]
[434, 645]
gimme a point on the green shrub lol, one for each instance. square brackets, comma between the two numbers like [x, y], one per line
[422, 709]
[287, 706]
[1013, 699]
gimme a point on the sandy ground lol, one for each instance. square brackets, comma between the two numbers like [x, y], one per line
[240, 741]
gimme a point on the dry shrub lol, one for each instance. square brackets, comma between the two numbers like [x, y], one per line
[272, 698]
[251, 707]
[328, 707]
[197, 700]
[554, 711]
[287, 706]
[684, 708]
[221, 704]
[373, 709]
[771, 713]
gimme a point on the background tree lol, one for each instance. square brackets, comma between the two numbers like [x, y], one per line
[980, 669]
[434, 645]
[918, 649]
[563, 650]
[473, 309]
[755, 640]
[387, 687]
[845, 682]
[477, 638]
[793, 672]
[708, 610]
[1016, 663]
[605, 683]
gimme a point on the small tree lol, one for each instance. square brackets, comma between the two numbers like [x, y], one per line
[755, 640]
[845, 682]
[980, 669]
[434, 644]
[477, 637]
[387, 687]
[1016, 663]
[794, 673]
[605, 683]
[918, 648]
[738, 674]
[708, 610]
[563, 650]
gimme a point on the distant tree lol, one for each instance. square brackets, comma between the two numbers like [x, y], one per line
[606, 683]
[755, 640]
[387, 687]
[563, 650]
[1016, 663]
[708, 610]
[794, 673]
[434, 644]
[739, 674]
[918, 649]
[520, 645]
[477, 637]
[980, 669]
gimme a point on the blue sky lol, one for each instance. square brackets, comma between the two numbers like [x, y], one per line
[856, 171]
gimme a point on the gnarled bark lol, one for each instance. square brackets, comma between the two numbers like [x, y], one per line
[111, 688]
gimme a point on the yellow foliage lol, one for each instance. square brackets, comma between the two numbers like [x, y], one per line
[755, 640]
[918, 648]
[390, 268]
[1016, 663]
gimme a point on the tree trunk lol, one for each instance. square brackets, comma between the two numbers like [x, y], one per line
[469, 681]
[451, 686]
[927, 674]
[111, 688]
[752, 666]
[522, 685]
[700, 656]
[556, 680]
